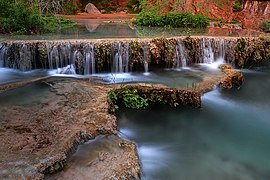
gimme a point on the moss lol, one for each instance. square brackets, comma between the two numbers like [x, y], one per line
[169, 52]
[162, 52]
[103, 55]
[251, 52]
[143, 96]
[193, 49]
[232, 78]
[136, 55]
[42, 55]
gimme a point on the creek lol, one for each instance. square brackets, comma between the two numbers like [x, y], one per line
[227, 139]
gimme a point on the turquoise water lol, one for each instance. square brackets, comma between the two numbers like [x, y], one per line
[227, 139]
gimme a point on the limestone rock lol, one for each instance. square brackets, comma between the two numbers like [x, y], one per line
[92, 9]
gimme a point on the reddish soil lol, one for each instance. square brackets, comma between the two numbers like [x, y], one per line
[99, 16]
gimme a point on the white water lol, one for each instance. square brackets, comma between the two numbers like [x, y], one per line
[207, 51]
[180, 56]
[83, 57]
[89, 64]
[2, 55]
[145, 59]
[120, 62]
[220, 59]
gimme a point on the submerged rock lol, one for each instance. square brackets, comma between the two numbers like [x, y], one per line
[105, 157]
[41, 134]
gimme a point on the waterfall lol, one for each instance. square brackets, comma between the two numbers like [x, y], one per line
[2, 55]
[221, 56]
[26, 57]
[145, 58]
[120, 57]
[93, 60]
[59, 55]
[65, 55]
[89, 64]
[53, 57]
[207, 55]
[180, 56]
[73, 59]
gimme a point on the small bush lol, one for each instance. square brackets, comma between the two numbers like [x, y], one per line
[237, 6]
[266, 26]
[22, 17]
[171, 20]
[234, 21]
[149, 19]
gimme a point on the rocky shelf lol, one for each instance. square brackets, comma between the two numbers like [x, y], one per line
[126, 55]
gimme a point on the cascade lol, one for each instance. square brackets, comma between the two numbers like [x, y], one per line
[145, 58]
[207, 55]
[65, 54]
[53, 57]
[26, 57]
[120, 57]
[180, 55]
[89, 64]
[2, 55]
[114, 56]
[58, 56]
[222, 49]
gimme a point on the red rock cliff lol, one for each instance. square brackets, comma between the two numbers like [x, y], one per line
[252, 15]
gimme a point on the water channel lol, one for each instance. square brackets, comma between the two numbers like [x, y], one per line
[227, 139]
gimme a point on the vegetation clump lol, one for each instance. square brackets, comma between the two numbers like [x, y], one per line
[25, 17]
[251, 52]
[266, 26]
[175, 20]
[141, 96]
[237, 6]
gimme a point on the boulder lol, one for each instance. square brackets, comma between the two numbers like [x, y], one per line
[91, 9]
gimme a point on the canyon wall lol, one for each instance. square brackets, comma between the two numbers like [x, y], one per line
[251, 16]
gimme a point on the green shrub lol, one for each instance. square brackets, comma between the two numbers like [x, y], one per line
[266, 26]
[234, 21]
[237, 6]
[171, 20]
[149, 19]
[130, 98]
[22, 17]
[133, 100]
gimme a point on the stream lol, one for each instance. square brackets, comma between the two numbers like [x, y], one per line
[227, 139]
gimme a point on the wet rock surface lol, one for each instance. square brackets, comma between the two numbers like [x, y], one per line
[99, 159]
[38, 136]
